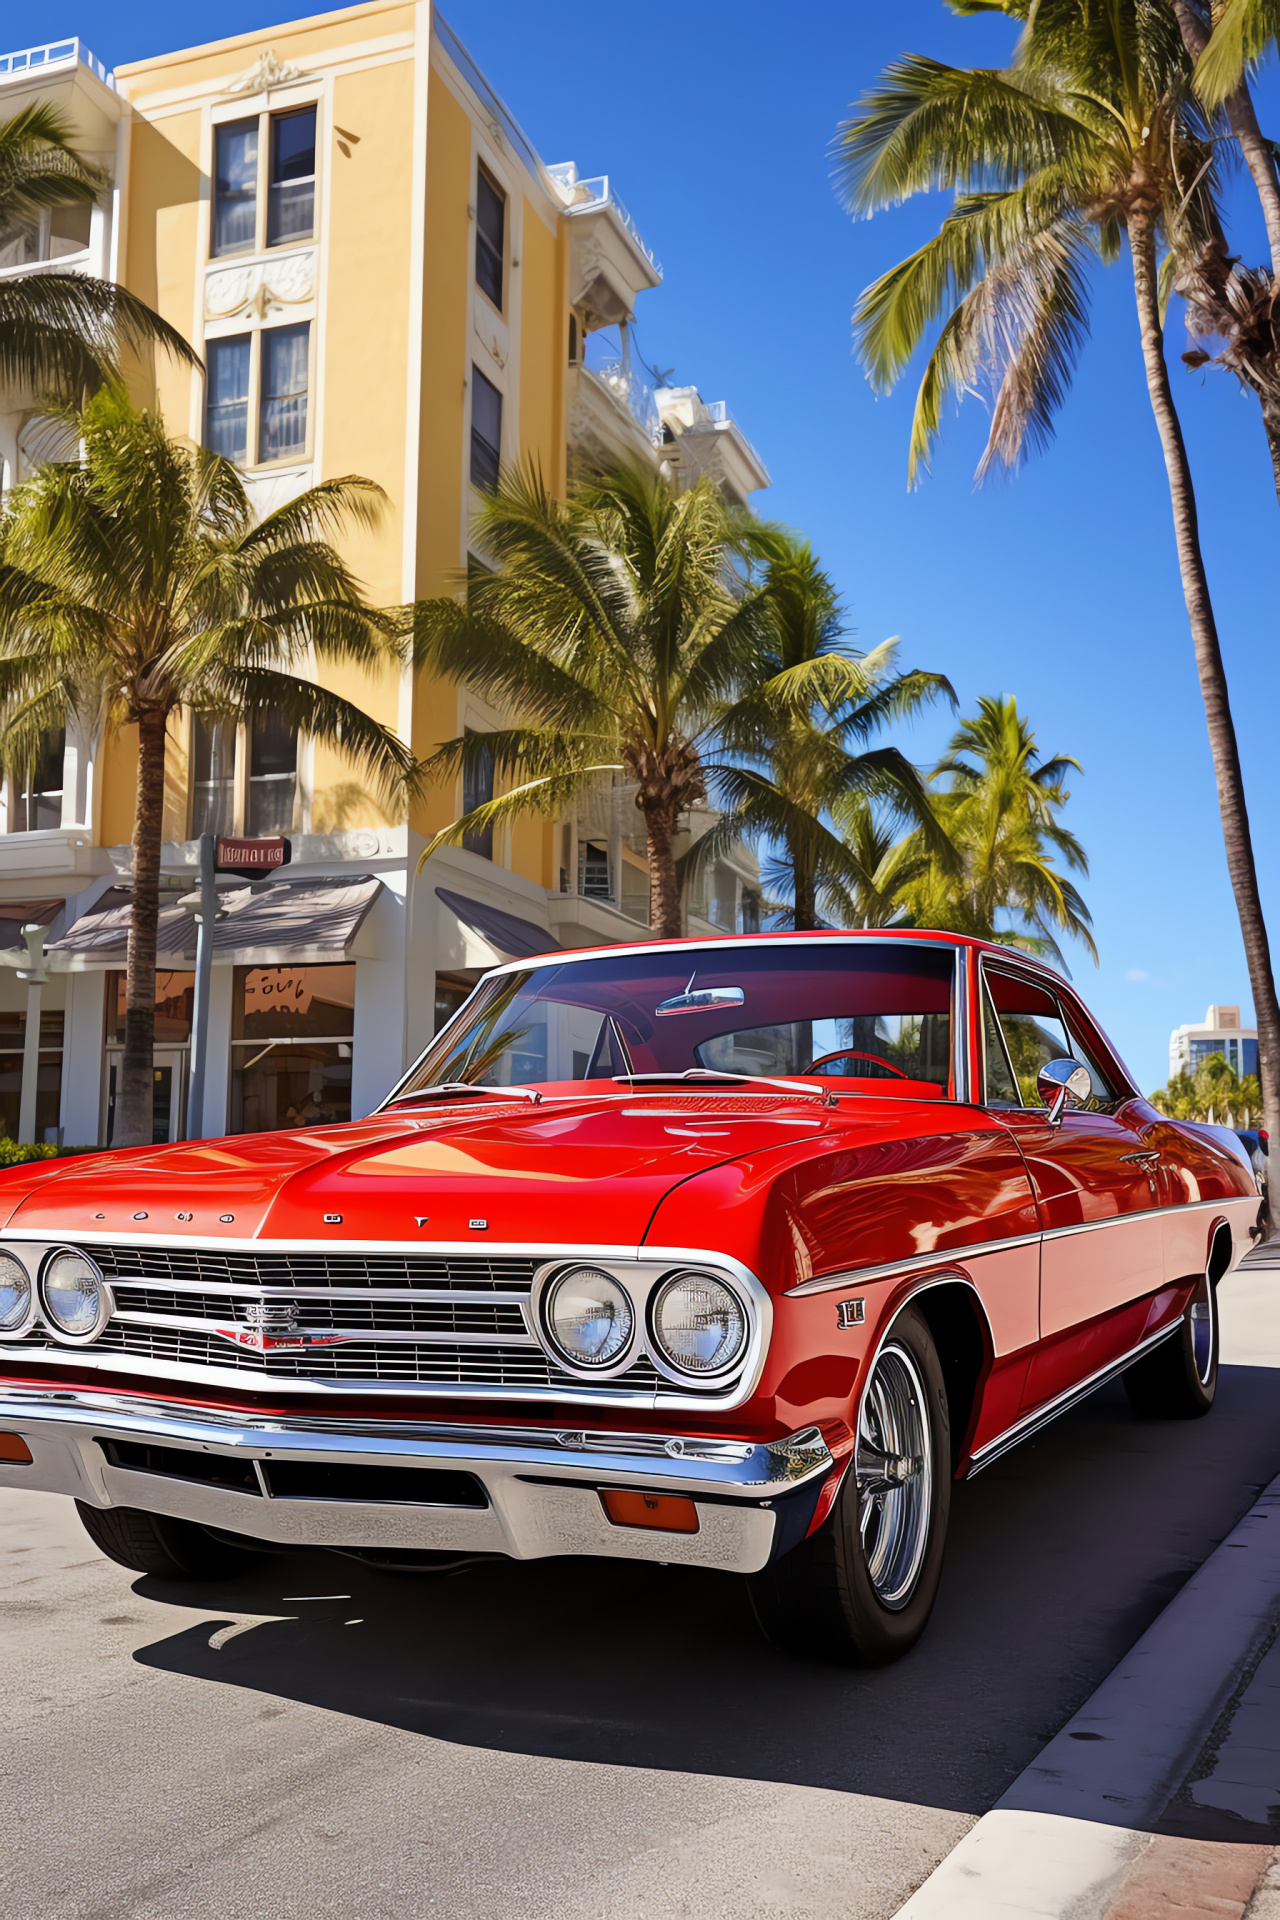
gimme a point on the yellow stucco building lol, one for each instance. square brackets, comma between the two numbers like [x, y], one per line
[383, 278]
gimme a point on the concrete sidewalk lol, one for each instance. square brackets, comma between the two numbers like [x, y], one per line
[1160, 1799]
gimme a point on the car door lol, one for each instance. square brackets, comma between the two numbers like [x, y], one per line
[1096, 1179]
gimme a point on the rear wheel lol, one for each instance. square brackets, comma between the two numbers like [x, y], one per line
[1179, 1380]
[860, 1590]
[154, 1543]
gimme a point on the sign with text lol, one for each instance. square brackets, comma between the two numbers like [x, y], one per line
[252, 856]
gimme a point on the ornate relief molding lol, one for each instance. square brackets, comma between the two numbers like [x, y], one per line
[265, 73]
[260, 286]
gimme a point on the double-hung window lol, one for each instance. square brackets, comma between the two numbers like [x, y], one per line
[257, 394]
[253, 207]
[477, 790]
[291, 188]
[55, 235]
[227, 397]
[486, 431]
[491, 220]
[282, 418]
[261, 802]
[273, 776]
[37, 798]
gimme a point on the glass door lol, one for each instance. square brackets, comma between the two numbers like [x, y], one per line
[168, 1100]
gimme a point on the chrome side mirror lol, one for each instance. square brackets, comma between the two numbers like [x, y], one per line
[1062, 1084]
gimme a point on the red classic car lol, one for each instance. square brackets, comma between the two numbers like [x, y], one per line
[731, 1253]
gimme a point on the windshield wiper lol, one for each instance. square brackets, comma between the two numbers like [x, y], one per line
[700, 1079]
[452, 1089]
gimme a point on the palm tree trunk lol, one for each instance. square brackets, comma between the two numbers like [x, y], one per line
[1213, 679]
[1243, 121]
[804, 890]
[135, 1086]
[664, 886]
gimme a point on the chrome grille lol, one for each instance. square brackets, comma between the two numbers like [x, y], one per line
[448, 1321]
[283, 1267]
[437, 1364]
[405, 1315]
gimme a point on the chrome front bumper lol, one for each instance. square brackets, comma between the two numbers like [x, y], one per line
[754, 1499]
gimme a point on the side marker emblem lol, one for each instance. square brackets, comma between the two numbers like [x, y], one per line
[184, 1216]
[421, 1219]
[478, 1226]
[226, 1218]
[333, 1219]
[850, 1313]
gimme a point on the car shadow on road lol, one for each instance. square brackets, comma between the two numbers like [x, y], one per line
[1060, 1556]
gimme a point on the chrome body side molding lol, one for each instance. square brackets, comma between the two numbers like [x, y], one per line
[1044, 1415]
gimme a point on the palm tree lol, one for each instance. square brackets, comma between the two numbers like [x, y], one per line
[134, 584]
[1089, 136]
[614, 625]
[792, 747]
[1225, 301]
[885, 868]
[62, 334]
[1000, 813]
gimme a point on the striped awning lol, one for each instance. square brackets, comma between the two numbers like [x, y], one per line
[506, 932]
[264, 923]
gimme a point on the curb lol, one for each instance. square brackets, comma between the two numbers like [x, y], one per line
[1060, 1841]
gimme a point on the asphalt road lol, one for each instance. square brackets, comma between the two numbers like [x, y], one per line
[579, 1740]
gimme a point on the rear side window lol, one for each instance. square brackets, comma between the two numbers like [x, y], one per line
[1023, 1029]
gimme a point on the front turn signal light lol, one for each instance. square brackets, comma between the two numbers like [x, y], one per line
[14, 1451]
[667, 1512]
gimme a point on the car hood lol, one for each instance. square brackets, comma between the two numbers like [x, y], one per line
[574, 1170]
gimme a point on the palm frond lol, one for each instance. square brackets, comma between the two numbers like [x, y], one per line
[1242, 32]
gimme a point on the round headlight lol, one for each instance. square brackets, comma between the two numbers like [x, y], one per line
[15, 1292]
[698, 1325]
[589, 1317]
[73, 1295]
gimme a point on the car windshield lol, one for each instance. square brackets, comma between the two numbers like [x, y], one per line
[873, 1015]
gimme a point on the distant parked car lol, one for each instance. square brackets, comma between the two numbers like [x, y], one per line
[1255, 1139]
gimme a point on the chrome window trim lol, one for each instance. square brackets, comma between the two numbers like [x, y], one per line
[721, 945]
[1052, 983]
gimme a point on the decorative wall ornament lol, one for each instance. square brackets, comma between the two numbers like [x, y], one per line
[260, 287]
[265, 73]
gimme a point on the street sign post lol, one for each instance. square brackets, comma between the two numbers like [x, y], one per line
[204, 976]
[218, 854]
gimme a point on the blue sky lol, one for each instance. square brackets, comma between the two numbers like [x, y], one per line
[1059, 586]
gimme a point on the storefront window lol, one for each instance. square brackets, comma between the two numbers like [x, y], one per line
[291, 1047]
[48, 1078]
[175, 993]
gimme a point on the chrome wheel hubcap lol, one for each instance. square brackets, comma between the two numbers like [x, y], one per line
[1202, 1307]
[894, 1467]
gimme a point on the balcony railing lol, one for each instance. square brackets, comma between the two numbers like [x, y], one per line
[634, 395]
[584, 195]
[721, 416]
[53, 53]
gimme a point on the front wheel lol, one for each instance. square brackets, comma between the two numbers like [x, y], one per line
[156, 1544]
[1179, 1380]
[860, 1590]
